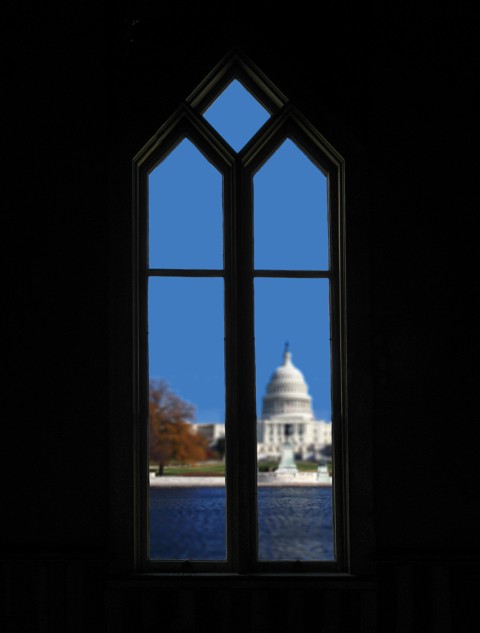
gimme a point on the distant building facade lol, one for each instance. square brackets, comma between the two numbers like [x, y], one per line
[286, 412]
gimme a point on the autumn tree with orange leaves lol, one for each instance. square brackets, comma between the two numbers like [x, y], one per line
[172, 436]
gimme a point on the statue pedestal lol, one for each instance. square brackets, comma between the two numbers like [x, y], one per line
[322, 474]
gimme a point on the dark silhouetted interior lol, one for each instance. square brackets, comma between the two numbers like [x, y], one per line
[394, 91]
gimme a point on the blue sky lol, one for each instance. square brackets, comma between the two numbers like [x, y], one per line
[186, 330]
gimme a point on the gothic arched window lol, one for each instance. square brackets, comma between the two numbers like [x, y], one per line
[239, 247]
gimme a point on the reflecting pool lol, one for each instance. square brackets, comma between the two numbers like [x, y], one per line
[295, 523]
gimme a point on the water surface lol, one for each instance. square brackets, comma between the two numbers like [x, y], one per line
[295, 523]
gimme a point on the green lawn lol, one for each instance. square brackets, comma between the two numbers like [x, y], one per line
[206, 469]
[200, 470]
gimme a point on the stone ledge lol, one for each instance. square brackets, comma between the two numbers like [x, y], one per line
[264, 479]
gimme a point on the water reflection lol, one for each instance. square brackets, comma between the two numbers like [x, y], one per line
[295, 523]
[187, 523]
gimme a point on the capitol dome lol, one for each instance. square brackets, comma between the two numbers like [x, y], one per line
[287, 392]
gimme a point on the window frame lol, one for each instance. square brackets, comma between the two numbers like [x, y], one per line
[238, 170]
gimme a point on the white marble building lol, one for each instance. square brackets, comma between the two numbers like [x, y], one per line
[287, 408]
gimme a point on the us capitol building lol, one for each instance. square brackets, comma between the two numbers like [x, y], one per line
[286, 415]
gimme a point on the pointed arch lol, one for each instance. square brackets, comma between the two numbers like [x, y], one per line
[238, 169]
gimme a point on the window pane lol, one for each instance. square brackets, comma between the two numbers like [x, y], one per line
[290, 212]
[295, 519]
[185, 211]
[186, 367]
[236, 115]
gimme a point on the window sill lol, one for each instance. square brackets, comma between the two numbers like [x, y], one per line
[252, 580]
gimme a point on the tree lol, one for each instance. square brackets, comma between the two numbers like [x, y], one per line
[172, 436]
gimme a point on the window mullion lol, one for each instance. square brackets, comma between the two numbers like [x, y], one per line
[241, 457]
